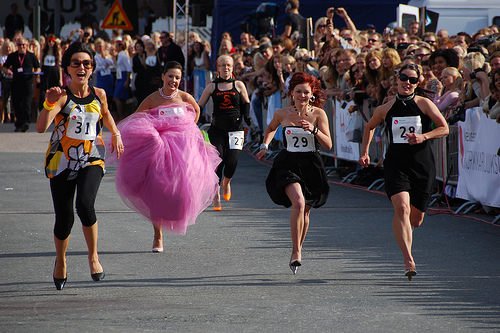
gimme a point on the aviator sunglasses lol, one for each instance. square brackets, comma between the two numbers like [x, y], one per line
[75, 63]
[404, 78]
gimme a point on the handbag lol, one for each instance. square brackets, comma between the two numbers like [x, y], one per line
[354, 129]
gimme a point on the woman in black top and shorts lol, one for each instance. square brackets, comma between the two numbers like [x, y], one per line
[298, 176]
[409, 168]
[231, 106]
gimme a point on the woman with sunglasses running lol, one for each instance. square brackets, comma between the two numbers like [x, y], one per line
[75, 157]
[409, 169]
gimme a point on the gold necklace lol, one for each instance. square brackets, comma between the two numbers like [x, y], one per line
[300, 114]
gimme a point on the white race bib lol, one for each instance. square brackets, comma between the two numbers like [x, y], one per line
[404, 125]
[151, 61]
[236, 139]
[298, 140]
[118, 75]
[170, 112]
[49, 60]
[82, 125]
[106, 71]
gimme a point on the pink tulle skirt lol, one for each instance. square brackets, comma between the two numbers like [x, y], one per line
[167, 171]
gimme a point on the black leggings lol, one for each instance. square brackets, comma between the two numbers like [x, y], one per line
[63, 192]
[220, 139]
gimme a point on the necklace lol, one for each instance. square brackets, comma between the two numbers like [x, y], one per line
[160, 90]
[299, 113]
[405, 99]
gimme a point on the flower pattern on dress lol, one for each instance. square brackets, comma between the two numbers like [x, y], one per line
[58, 133]
[77, 157]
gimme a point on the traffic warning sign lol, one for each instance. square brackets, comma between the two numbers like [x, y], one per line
[116, 18]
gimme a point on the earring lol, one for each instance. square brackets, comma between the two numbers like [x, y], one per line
[312, 99]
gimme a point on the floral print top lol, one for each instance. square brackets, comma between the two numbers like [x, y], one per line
[77, 138]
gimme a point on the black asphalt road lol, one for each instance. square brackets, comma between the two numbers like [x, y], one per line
[230, 272]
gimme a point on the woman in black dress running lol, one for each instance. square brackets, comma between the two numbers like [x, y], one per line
[298, 176]
[409, 168]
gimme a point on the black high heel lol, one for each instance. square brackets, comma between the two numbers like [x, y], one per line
[59, 283]
[98, 276]
[294, 264]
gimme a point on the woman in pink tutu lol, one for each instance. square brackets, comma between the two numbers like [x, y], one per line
[168, 172]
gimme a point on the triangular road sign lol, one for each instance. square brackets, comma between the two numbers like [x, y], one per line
[116, 18]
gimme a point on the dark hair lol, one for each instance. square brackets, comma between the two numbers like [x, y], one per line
[410, 66]
[56, 49]
[170, 65]
[300, 78]
[140, 42]
[77, 47]
[449, 55]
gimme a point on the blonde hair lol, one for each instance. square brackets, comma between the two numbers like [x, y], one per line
[393, 55]
[457, 78]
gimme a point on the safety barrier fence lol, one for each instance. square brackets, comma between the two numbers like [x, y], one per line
[467, 160]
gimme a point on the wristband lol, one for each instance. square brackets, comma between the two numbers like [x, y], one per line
[315, 130]
[49, 103]
[48, 106]
[119, 134]
[264, 146]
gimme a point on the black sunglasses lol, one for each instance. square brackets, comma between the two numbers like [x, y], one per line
[404, 78]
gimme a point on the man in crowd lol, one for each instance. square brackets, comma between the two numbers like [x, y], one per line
[22, 65]
[169, 51]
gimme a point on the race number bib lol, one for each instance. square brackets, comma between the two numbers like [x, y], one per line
[106, 71]
[404, 125]
[166, 112]
[151, 61]
[118, 75]
[236, 139]
[49, 61]
[298, 140]
[82, 125]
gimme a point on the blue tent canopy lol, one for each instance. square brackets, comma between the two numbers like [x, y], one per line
[228, 14]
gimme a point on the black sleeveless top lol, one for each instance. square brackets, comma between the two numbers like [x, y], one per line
[227, 109]
[404, 117]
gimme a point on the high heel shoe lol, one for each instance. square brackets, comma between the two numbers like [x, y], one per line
[59, 283]
[294, 264]
[98, 276]
[410, 272]
[217, 204]
[157, 249]
[226, 189]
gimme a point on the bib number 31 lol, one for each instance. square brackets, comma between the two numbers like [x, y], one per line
[82, 125]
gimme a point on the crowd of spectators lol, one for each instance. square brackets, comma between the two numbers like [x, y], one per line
[352, 64]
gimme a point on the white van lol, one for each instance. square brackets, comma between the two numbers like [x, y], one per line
[462, 15]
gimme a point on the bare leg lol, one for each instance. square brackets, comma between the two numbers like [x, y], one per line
[216, 203]
[158, 239]
[90, 234]
[402, 227]
[297, 223]
[307, 212]
[60, 267]
[119, 108]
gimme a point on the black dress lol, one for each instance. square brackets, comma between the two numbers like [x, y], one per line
[408, 168]
[305, 168]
